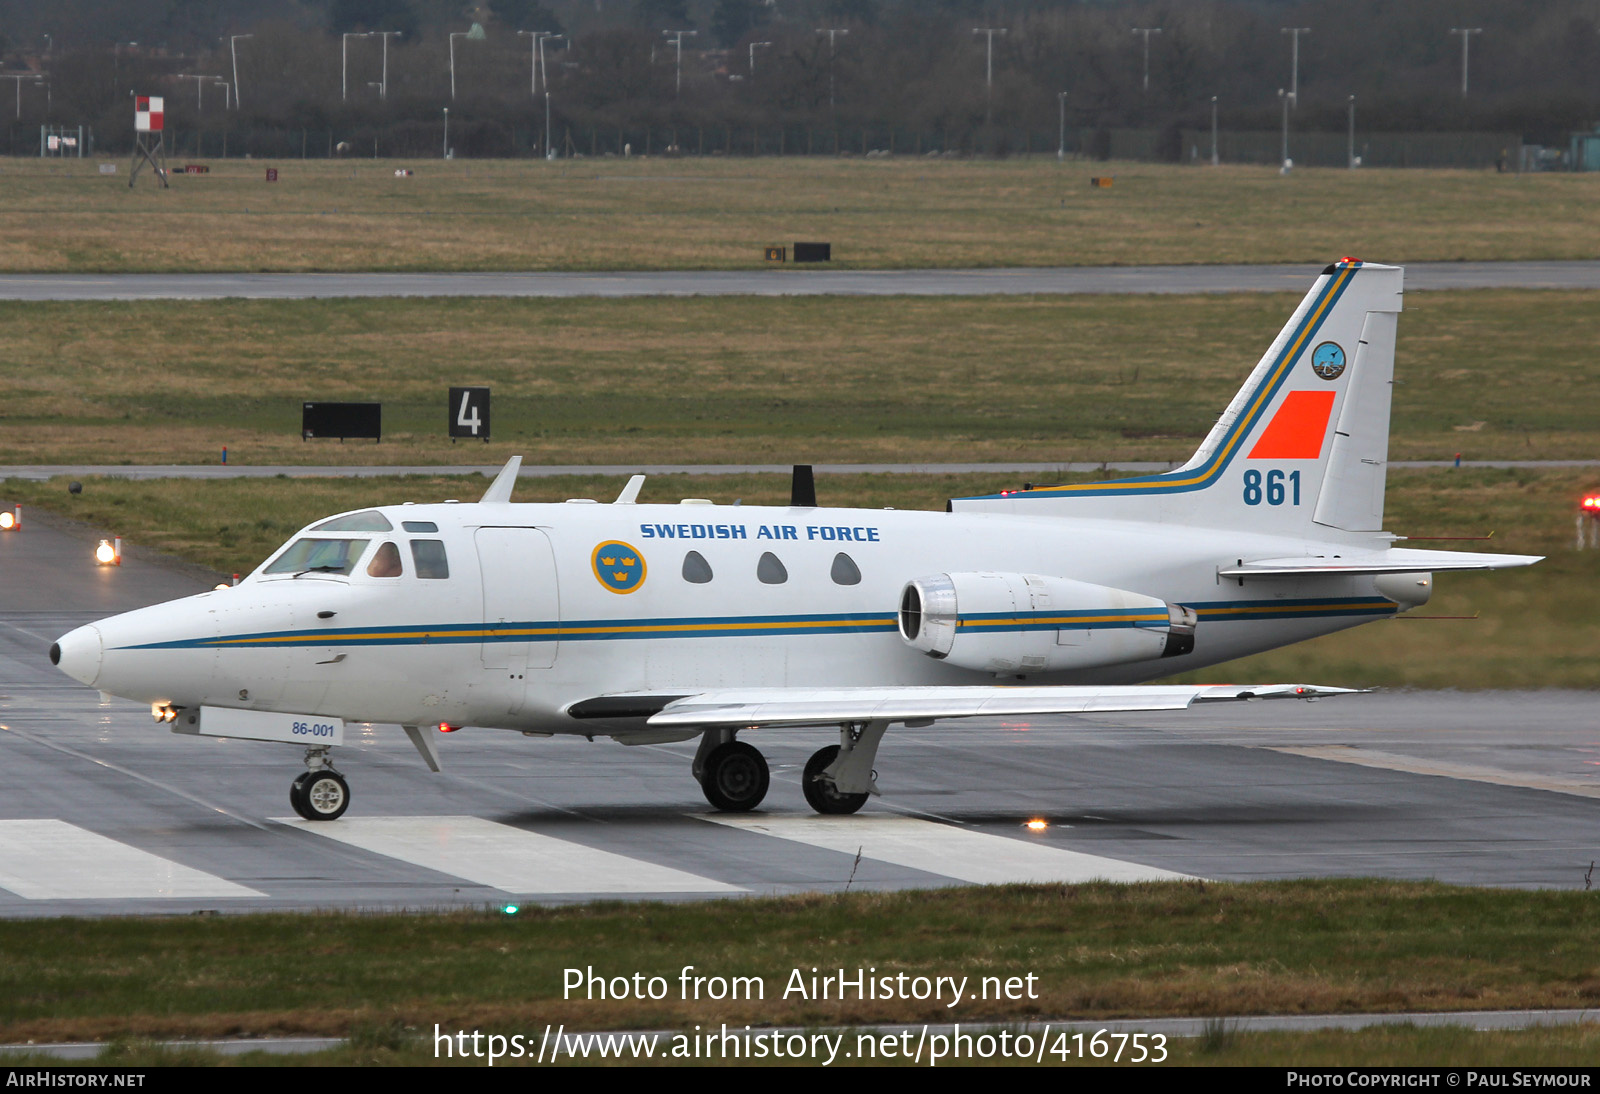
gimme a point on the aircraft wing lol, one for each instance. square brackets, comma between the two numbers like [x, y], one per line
[1398, 560]
[750, 707]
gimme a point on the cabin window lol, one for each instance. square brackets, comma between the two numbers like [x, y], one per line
[429, 556]
[368, 521]
[385, 561]
[419, 526]
[845, 571]
[696, 569]
[770, 571]
[328, 556]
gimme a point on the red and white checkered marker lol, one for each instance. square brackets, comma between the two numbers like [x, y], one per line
[148, 114]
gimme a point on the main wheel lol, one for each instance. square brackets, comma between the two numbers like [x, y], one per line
[820, 794]
[320, 795]
[735, 778]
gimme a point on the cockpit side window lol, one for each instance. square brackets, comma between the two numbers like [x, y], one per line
[327, 556]
[429, 556]
[385, 561]
[368, 521]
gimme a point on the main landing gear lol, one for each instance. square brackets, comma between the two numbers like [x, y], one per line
[320, 793]
[837, 780]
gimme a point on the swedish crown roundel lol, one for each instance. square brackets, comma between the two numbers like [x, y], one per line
[618, 566]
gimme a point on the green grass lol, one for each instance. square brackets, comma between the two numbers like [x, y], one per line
[1536, 627]
[1098, 951]
[607, 214]
[1491, 374]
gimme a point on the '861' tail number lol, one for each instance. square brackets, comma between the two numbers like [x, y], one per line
[1279, 488]
[312, 729]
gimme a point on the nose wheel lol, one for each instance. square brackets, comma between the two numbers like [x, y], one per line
[320, 794]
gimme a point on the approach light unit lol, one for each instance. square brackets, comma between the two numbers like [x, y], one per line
[1037, 824]
[11, 520]
[1590, 504]
[109, 553]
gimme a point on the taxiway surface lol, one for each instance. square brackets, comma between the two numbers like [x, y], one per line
[1420, 276]
[103, 812]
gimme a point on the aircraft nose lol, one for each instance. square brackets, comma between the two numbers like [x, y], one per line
[78, 654]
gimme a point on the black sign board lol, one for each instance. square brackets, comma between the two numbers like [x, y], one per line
[362, 420]
[469, 412]
[813, 252]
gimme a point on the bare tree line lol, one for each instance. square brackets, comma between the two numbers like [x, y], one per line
[760, 76]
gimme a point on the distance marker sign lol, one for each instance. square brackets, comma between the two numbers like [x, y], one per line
[469, 412]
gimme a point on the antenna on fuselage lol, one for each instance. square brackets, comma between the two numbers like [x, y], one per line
[499, 492]
[803, 488]
[630, 493]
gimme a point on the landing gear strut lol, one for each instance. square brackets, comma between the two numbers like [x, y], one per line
[320, 793]
[839, 779]
[733, 775]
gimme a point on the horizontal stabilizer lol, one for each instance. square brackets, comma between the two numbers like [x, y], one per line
[1396, 561]
[751, 707]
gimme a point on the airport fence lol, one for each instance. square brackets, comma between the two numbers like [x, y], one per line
[491, 138]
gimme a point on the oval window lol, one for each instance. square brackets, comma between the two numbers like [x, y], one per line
[696, 569]
[770, 571]
[845, 571]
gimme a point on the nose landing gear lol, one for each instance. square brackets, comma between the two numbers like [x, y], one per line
[320, 793]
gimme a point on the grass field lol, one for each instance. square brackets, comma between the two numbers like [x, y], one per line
[714, 213]
[1490, 374]
[1097, 950]
[1537, 627]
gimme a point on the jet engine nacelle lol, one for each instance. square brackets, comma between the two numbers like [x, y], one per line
[1015, 623]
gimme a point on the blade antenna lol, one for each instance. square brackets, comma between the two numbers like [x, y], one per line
[803, 488]
[499, 492]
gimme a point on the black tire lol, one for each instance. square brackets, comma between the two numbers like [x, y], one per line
[736, 777]
[821, 795]
[320, 795]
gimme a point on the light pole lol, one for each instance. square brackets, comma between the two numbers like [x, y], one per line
[533, 57]
[1466, 36]
[453, 36]
[226, 89]
[1350, 146]
[18, 78]
[1287, 97]
[1147, 32]
[199, 87]
[233, 49]
[383, 92]
[1214, 158]
[544, 36]
[677, 36]
[1061, 138]
[988, 71]
[831, 32]
[344, 61]
[1294, 64]
[753, 46]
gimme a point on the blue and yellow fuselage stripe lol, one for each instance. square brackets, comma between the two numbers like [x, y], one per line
[593, 630]
[1208, 472]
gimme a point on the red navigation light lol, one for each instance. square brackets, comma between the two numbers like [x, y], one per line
[1592, 503]
[446, 727]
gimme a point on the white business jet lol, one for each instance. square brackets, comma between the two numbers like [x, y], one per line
[653, 623]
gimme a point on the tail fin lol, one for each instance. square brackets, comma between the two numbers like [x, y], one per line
[1301, 447]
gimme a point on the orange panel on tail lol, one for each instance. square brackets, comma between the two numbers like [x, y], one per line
[1297, 429]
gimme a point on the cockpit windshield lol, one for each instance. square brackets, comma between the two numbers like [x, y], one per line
[323, 556]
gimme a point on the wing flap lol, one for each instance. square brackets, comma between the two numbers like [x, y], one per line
[1398, 560]
[749, 707]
